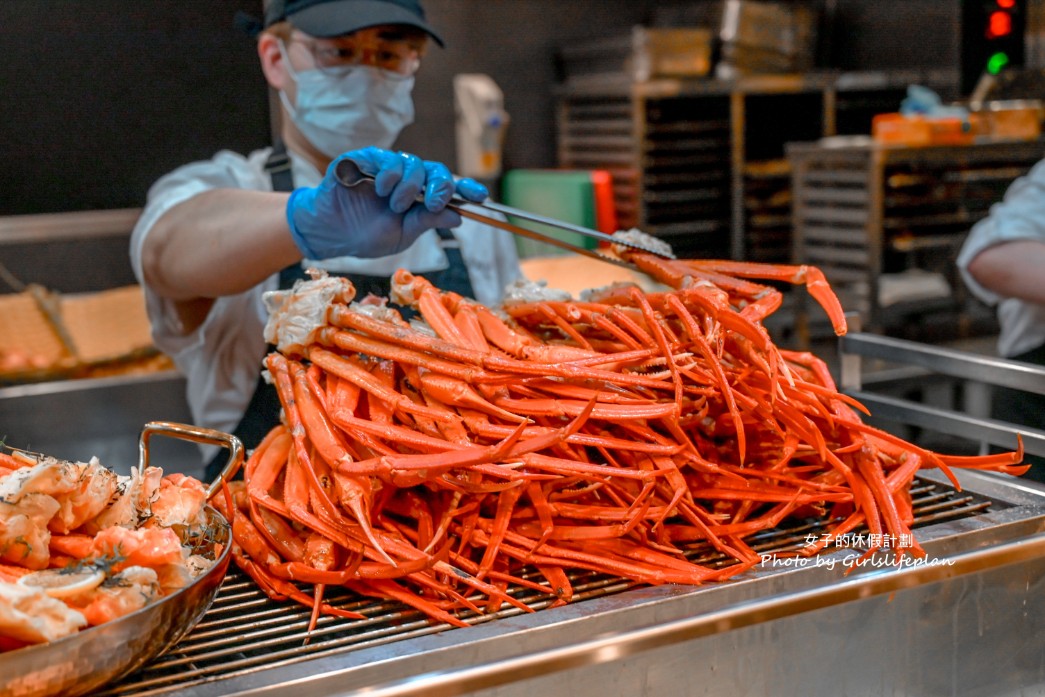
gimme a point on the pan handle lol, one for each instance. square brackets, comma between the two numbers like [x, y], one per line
[196, 434]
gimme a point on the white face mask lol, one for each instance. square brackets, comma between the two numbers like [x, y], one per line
[349, 109]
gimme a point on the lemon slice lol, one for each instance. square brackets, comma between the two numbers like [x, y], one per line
[64, 583]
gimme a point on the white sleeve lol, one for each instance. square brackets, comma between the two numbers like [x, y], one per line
[226, 170]
[221, 358]
[1020, 215]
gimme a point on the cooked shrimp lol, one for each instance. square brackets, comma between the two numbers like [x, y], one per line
[57, 478]
[172, 577]
[92, 492]
[151, 547]
[49, 476]
[24, 536]
[180, 500]
[82, 490]
[108, 534]
[10, 573]
[130, 590]
[30, 615]
[51, 495]
[10, 463]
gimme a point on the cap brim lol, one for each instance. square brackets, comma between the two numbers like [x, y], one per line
[336, 18]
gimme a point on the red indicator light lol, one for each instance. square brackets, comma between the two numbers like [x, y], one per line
[1006, 4]
[999, 24]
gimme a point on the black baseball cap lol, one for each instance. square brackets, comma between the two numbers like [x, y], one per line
[326, 18]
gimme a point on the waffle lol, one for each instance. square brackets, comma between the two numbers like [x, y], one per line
[107, 326]
[32, 343]
[47, 336]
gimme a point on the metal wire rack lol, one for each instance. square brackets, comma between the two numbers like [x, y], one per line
[244, 631]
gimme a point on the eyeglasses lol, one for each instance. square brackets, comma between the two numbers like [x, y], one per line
[335, 56]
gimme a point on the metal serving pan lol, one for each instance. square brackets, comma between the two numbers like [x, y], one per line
[85, 661]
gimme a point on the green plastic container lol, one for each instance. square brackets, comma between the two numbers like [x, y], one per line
[566, 195]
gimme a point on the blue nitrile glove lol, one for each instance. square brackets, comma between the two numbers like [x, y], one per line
[374, 220]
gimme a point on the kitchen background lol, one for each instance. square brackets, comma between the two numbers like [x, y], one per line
[101, 97]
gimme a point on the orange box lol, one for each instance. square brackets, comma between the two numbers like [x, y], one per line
[915, 130]
[1014, 119]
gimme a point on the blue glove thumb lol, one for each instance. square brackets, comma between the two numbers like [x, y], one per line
[347, 216]
[397, 176]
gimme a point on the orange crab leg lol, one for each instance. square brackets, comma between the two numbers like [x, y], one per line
[278, 589]
[307, 573]
[308, 420]
[524, 346]
[608, 412]
[423, 350]
[418, 293]
[695, 334]
[347, 370]
[320, 553]
[638, 571]
[505, 503]
[387, 588]
[810, 276]
[458, 393]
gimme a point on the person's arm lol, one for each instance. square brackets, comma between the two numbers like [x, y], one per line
[1012, 270]
[225, 241]
[220, 242]
[1003, 254]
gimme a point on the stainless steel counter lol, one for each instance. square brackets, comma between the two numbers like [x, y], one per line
[78, 419]
[76, 252]
[968, 620]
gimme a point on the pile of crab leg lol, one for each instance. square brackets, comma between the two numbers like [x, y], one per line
[431, 461]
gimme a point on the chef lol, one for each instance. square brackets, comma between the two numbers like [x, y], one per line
[215, 235]
[1000, 262]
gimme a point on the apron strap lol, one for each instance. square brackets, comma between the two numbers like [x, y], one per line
[278, 167]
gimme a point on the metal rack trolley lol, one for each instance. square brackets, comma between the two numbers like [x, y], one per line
[919, 363]
[701, 162]
[863, 209]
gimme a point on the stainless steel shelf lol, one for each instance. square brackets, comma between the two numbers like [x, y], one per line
[921, 364]
[863, 209]
[103, 417]
[654, 130]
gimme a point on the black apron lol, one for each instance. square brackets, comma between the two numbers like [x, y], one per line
[262, 412]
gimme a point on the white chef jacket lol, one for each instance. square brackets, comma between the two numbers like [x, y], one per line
[1020, 215]
[221, 359]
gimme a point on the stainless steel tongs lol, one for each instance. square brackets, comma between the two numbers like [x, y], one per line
[348, 174]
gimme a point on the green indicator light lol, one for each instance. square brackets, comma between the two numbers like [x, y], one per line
[996, 62]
